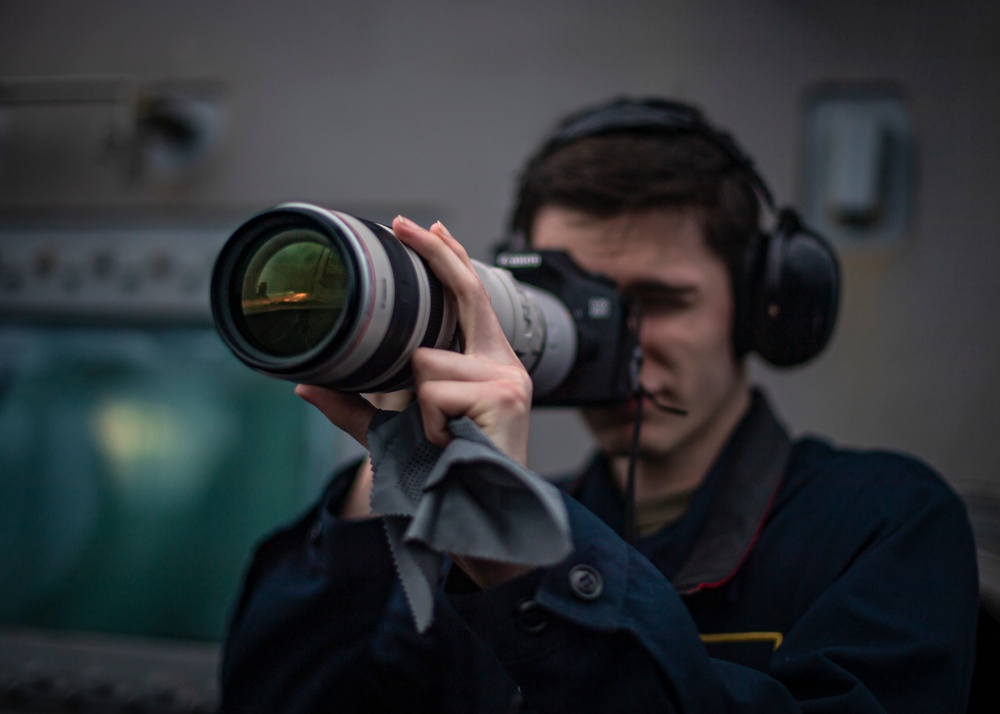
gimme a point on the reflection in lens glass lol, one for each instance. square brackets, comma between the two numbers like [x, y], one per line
[294, 292]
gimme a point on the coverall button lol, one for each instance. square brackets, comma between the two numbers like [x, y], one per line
[585, 582]
[531, 617]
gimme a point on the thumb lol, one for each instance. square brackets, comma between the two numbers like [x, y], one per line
[349, 412]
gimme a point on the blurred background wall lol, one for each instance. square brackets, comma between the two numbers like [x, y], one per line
[431, 107]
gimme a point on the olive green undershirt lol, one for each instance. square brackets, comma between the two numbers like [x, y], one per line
[651, 516]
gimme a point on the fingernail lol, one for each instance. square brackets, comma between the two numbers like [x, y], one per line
[406, 221]
[444, 229]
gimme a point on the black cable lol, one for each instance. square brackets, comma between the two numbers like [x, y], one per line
[639, 394]
[629, 530]
[633, 457]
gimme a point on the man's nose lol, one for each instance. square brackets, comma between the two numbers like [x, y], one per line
[646, 336]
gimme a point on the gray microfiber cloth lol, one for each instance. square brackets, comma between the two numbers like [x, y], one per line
[468, 499]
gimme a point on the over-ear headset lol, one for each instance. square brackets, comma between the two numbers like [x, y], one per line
[788, 290]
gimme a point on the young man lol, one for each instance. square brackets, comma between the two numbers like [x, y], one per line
[767, 575]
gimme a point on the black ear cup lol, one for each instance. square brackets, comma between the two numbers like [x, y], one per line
[790, 295]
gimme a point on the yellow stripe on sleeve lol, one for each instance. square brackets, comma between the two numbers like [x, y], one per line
[774, 637]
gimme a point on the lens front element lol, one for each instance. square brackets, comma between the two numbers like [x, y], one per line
[324, 297]
[295, 291]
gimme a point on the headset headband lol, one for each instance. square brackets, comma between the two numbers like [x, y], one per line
[655, 115]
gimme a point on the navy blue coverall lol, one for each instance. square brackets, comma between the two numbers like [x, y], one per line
[801, 578]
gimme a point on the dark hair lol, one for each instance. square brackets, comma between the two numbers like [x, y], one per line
[635, 169]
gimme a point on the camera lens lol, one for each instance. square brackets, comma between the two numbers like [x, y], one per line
[324, 297]
[295, 289]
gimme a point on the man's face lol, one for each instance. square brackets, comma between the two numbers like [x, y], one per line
[661, 257]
